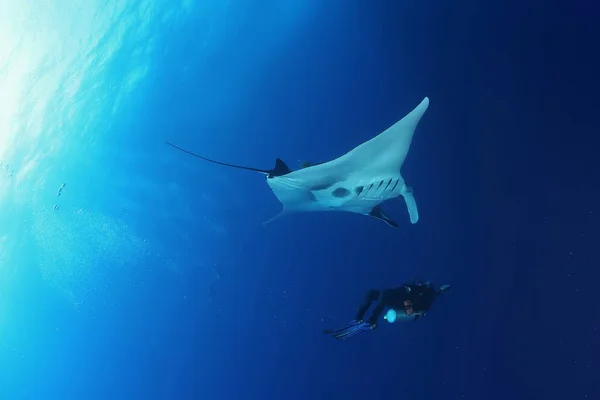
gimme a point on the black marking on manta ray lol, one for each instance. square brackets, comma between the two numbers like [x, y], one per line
[322, 186]
[340, 192]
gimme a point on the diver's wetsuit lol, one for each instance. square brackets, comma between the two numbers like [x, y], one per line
[415, 298]
[421, 297]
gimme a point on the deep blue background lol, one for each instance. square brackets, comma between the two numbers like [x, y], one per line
[504, 170]
[505, 174]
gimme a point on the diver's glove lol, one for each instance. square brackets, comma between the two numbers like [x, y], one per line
[444, 289]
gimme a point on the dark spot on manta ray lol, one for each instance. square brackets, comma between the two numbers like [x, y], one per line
[340, 192]
[323, 185]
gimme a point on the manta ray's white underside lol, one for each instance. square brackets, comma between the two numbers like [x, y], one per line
[357, 182]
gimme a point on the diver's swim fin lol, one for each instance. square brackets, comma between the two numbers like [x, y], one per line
[350, 330]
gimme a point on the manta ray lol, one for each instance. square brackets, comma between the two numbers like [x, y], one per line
[357, 182]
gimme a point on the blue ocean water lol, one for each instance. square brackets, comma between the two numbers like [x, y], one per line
[129, 270]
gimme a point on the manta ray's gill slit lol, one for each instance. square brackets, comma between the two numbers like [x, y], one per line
[388, 184]
[358, 190]
[380, 194]
[385, 193]
[380, 191]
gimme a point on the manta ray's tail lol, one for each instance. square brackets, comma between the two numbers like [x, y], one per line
[280, 167]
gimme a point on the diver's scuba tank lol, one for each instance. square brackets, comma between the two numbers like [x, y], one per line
[391, 316]
[400, 315]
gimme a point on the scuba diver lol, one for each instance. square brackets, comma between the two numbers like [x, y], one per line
[408, 302]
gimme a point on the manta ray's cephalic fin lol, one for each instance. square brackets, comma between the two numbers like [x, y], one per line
[411, 204]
